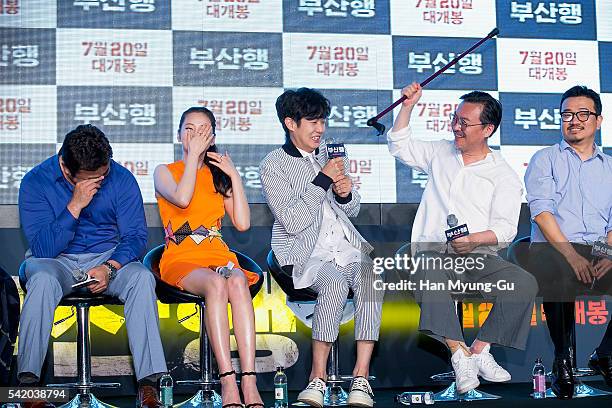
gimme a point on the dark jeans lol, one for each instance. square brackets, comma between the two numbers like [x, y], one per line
[559, 288]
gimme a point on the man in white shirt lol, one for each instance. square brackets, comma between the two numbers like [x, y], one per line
[311, 198]
[475, 184]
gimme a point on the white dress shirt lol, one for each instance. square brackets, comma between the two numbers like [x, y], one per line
[332, 244]
[485, 195]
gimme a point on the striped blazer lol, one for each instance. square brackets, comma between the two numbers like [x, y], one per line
[295, 196]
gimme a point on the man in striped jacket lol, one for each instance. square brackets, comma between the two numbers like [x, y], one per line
[311, 198]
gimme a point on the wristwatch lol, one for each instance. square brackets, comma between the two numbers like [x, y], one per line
[112, 271]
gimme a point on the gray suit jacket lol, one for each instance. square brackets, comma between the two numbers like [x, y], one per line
[295, 196]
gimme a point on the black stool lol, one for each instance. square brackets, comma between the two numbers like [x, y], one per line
[450, 393]
[335, 396]
[518, 253]
[169, 294]
[82, 300]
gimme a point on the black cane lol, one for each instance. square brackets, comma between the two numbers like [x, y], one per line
[381, 128]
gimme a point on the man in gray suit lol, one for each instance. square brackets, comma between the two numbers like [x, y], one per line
[313, 238]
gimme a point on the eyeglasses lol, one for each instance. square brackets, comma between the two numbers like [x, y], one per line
[456, 119]
[582, 116]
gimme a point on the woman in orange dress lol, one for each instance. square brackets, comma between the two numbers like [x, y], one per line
[193, 196]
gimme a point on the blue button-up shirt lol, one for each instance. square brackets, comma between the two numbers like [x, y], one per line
[113, 219]
[578, 193]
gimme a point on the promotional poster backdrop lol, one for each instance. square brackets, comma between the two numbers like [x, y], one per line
[132, 66]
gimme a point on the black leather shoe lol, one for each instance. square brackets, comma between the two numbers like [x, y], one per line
[562, 378]
[602, 365]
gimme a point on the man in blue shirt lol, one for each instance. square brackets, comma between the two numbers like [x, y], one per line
[569, 190]
[82, 214]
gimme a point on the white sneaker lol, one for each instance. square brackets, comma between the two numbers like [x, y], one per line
[361, 394]
[314, 393]
[466, 372]
[488, 367]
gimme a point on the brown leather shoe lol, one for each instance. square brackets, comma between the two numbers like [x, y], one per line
[148, 397]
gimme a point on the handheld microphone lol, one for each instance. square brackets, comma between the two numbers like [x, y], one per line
[601, 248]
[455, 231]
[335, 150]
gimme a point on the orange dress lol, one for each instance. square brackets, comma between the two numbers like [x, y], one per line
[192, 234]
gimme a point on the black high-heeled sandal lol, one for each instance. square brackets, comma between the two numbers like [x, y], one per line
[231, 404]
[255, 404]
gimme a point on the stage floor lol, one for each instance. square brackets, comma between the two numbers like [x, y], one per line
[513, 395]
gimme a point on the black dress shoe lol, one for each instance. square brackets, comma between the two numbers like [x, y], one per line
[562, 378]
[602, 365]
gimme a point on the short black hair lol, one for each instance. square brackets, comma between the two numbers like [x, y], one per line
[303, 103]
[581, 90]
[491, 108]
[85, 148]
[203, 110]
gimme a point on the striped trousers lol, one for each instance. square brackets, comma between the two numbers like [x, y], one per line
[332, 285]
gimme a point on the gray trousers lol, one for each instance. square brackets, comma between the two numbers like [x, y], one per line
[508, 321]
[332, 286]
[49, 279]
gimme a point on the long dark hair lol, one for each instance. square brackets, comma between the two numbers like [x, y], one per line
[222, 182]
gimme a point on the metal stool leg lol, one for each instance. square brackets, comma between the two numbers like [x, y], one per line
[206, 396]
[84, 398]
[335, 396]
